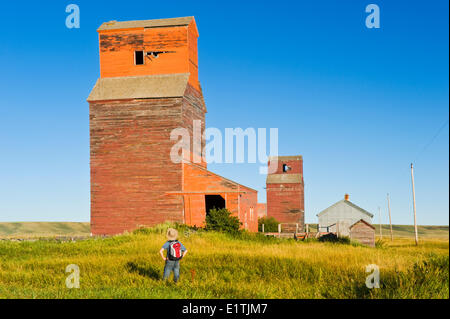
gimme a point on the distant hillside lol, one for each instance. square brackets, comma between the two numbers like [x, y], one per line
[407, 231]
[40, 229]
[37, 229]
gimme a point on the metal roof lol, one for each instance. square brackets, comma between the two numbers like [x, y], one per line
[286, 158]
[284, 178]
[140, 87]
[171, 22]
[348, 203]
[205, 170]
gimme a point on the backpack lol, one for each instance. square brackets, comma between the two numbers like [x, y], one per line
[174, 252]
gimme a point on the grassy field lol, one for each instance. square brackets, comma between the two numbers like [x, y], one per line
[43, 229]
[49, 229]
[407, 231]
[221, 266]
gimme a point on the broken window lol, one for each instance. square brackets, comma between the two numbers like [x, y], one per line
[286, 168]
[138, 57]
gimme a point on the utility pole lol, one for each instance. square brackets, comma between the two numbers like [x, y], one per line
[414, 205]
[379, 215]
[390, 222]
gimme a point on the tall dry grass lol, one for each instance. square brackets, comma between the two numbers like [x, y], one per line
[221, 266]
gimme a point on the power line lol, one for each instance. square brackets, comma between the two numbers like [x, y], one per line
[431, 141]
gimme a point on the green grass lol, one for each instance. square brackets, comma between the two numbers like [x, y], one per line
[249, 266]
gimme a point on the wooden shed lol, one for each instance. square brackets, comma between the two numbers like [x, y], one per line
[363, 232]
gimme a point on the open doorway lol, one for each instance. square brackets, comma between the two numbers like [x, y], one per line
[214, 201]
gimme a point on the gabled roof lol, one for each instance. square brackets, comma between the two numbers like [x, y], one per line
[362, 221]
[155, 23]
[193, 173]
[140, 87]
[348, 203]
[220, 176]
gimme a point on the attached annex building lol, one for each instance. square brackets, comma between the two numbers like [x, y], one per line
[148, 87]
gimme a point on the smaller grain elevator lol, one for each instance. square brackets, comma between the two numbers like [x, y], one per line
[285, 191]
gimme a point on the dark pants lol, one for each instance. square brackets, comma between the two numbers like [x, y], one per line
[172, 265]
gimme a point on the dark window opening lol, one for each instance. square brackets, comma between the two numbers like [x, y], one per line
[214, 201]
[139, 57]
[154, 54]
[286, 168]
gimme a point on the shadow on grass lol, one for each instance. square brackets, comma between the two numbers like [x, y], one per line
[145, 270]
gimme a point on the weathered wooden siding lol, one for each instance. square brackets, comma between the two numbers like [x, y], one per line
[193, 109]
[130, 164]
[261, 209]
[117, 51]
[285, 201]
[363, 234]
[241, 201]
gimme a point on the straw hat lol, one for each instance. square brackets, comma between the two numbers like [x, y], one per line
[172, 234]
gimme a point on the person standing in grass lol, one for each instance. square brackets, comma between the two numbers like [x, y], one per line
[175, 251]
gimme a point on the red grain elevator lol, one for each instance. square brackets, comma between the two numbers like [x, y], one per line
[285, 191]
[148, 87]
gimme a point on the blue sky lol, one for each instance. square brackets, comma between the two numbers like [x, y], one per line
[359, 104]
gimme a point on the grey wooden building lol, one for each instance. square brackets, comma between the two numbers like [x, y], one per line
[340, 216]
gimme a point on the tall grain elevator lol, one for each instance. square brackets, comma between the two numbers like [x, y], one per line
[149, 87]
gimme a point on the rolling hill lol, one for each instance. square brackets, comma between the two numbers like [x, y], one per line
[44, 229]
